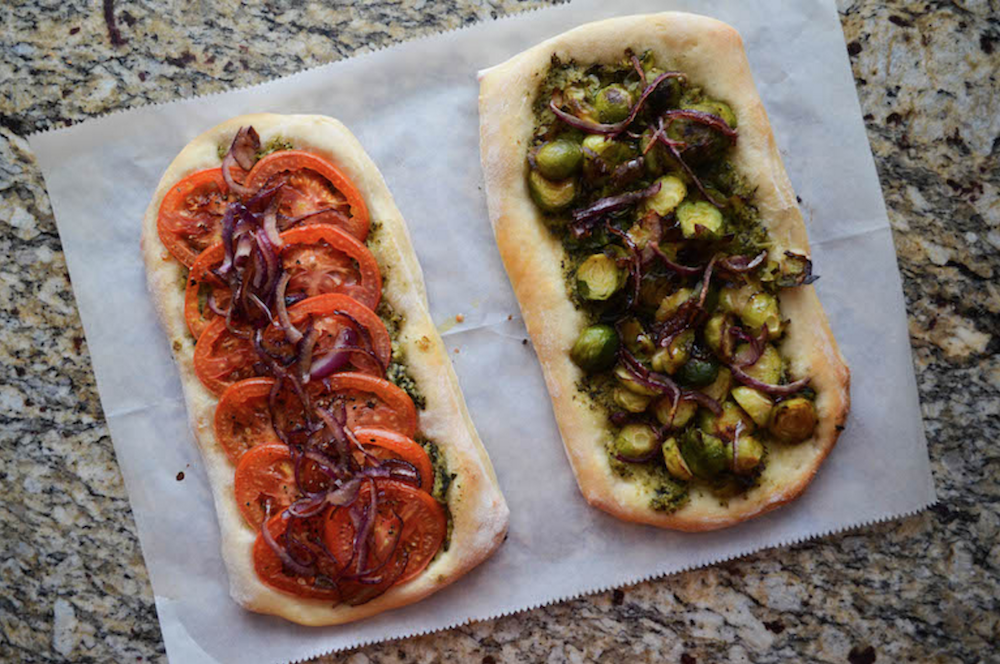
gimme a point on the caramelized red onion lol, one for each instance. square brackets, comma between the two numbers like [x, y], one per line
[585, 218]
[617, 127]
[683, 270]
[661, 135]
[777, 390]
[649, 379]
[742, 264]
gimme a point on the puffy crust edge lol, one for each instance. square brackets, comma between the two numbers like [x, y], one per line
[712, 54]
[478, 510]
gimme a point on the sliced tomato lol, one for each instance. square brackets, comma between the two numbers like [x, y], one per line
[221, 358]
[242, 419]
[373, 403]
[424, 526]
[319, 259]
[304, 535]
[265, 482]
[202, 284]
[190, 216]
[329, 314]
[384, 444]
[312, 184]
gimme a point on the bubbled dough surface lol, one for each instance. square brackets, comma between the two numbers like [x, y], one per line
[477, 507]
[712, 55]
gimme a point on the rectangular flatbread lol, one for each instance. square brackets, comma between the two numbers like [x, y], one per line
[477, 512]
[544, 206]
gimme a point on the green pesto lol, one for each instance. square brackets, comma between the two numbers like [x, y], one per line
[398, 373]
[274, 145]
[442, 481]
[668, 494]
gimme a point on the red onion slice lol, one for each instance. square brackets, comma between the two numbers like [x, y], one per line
[617, 127]
[777, 390]
[291, 332]
[672, 266]
[702, 399]
[742, 264]
[283, 555]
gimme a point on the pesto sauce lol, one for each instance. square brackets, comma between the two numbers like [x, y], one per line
[442, 482]
[274, 145]
[397, 373]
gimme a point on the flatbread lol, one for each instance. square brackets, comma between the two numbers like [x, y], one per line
[478, 511]
[711, 53]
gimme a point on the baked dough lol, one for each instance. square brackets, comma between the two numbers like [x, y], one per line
[711, 53]
[478, 511]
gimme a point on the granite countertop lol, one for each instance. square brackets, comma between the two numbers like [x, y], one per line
[72, 581]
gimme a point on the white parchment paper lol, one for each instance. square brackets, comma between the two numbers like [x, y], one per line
[414, 109]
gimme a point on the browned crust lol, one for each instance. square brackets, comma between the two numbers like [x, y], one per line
[712, 54]
[479, 513]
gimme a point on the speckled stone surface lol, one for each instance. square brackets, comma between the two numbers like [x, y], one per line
[923, 589]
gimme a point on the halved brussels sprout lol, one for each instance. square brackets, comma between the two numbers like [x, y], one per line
[653, 290]
[598, 277]
[635, 338]
[719, 108]
[672, 192]
[669, 359]
[713, 331]
[667, 94]
[613, 103]
[595, 348]
[793, 421]
[551, 195]
[704, 142]
[704, 453]
[628, 400]
[762, 311]
[559, 159]
[657, 159]
[768, 366]
[670, 304]
[685, 411]
[720, 386]
[734, 299]
[756, 404]
[674, 461]
[698, 371]
[700, 219]
[630, 383]
[725, 425]
[748, 453]
[636, 441]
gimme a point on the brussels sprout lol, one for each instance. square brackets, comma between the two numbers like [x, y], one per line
[613, 103]
[598, 277]
[636, 441]
[685, 411]
[762, 311]
[635, 338]
[704, 142]
[607, 149]
[559, 159]
[674, 461]
[669, 359]
[698, 371]
[747, 455]
[667, 94]
[699, 219]
[657, 159]
[720, 386]
[630, 383]
[628, 400]
[551, 195]
[704, 454]
[768, 366]
[672, 192]
[652, 290]
[726, 424]
[734, 299]
[793, 420]
[713, 331]
[595, 348]
[670, 304]
[756, 404]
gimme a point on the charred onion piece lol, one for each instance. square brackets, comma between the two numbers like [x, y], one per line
[777, 390]
[617, 127]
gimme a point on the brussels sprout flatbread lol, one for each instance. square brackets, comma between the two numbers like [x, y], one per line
[525, 196]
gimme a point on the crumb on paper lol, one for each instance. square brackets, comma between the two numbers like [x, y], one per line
[510, 317]
[524, 342]
[459, 318]
[456, 351]
[423, 343]
[180, 476]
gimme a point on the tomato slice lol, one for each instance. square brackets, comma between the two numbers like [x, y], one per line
[312, 184]
[265, 482]
[329, 314]
[307, 533]
[424, 526]
[221, 358]
[190, 216]
[242, 419]
[319, 259]
[391, 445]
